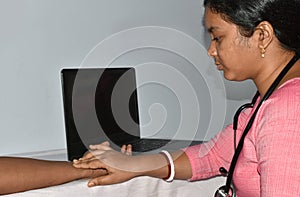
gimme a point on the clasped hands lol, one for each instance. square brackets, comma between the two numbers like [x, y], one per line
[118, 165]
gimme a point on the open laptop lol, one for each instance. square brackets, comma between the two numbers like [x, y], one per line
[101, 104]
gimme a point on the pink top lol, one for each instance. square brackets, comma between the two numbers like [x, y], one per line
[269, 164]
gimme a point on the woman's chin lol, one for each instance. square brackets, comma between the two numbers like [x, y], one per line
[229, 76]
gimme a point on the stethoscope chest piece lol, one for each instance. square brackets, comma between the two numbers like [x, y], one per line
[221, 192]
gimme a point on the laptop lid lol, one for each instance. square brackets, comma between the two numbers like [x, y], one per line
[100, 104]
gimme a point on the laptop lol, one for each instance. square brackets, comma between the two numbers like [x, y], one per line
[101, 104]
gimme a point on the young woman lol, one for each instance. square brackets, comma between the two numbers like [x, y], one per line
[257, 40]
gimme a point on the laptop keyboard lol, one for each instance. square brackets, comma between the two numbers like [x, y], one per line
[144, 145]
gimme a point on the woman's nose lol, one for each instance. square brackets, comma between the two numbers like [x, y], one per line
[212, 51]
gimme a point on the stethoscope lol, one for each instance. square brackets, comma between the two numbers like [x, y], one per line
[228, 190]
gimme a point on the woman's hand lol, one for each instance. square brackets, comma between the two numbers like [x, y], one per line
[120, 167]
[99, 148]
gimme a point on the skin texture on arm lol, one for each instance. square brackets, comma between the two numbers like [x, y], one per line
[122, 167]
[158, 165]
[21, 174]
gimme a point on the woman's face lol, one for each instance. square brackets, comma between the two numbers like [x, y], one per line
[233, 53]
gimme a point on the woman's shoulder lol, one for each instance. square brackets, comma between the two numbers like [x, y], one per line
[281, 111]
[285, 100]
[290, 89]
[291, 82]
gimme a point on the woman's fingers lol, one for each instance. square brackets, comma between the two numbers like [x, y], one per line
[129, 149]
[99, 149]
[95, 150]
[103, 180]
[91, 164]
[126, 149]
[88, 156]
[103, 146]
[111, 178]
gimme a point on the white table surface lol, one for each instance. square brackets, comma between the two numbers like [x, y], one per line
[138, 187]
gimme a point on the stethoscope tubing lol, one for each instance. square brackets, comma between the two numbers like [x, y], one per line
[250, 122]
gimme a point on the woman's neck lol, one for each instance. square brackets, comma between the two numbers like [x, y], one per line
[272, 67]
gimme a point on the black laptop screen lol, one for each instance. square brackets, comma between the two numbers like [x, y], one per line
[99, 104]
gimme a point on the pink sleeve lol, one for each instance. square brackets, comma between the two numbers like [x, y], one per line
[207, 158]
[278, 146]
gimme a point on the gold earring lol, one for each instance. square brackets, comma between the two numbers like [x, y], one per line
[263, 51]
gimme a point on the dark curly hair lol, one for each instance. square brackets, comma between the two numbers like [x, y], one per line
[283, 15]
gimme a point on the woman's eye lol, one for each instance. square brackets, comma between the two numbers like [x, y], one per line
[215, 39]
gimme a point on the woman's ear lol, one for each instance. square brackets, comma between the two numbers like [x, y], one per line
[265, 34]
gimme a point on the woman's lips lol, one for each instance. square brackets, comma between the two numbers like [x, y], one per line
[219, 66]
